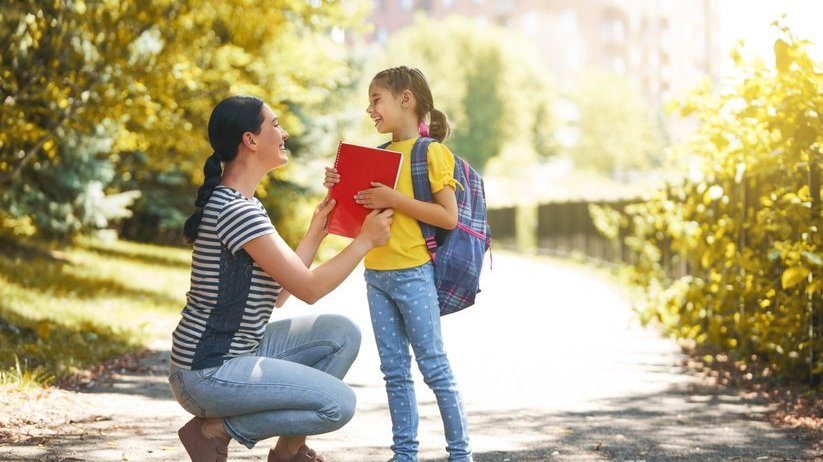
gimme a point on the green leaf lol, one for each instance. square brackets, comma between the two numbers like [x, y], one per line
[793, 276]
[774, 254]
[813, 258]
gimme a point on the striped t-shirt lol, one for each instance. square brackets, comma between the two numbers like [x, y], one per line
[231, 298]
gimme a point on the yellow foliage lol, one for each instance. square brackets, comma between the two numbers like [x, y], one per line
[815, 287]
[756, 241]
[164, 71]
[794, 276]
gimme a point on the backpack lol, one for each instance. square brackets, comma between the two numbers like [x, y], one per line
[457, 255]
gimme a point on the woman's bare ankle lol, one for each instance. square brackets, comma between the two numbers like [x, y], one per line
[287, 446]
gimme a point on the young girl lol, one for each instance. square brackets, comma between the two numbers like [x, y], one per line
[399, 275]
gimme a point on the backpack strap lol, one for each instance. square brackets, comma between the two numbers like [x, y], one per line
[423, 188]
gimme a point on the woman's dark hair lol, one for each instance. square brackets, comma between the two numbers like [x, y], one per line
[229, 120]
[399, 79]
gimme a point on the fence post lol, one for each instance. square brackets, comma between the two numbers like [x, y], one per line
[525, 218]
[743, 202]
[814, 301]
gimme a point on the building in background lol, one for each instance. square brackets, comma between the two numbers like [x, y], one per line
[665, 48]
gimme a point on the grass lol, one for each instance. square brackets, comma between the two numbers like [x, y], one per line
[68, 309]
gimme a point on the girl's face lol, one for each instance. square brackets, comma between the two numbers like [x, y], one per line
[272, 139]
[385, 109]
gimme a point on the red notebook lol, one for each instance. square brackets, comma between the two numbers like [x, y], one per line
[358, 166]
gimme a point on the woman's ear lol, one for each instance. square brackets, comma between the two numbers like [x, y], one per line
[249, 141]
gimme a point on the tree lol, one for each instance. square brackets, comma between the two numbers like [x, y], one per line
[617, 132]
[150, 72]
[483, 109]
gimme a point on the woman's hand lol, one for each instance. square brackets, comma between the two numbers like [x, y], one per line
[379, 196]
[376, 229]
[332, 177]
[317, 226]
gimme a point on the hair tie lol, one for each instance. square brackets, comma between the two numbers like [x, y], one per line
[423, 129]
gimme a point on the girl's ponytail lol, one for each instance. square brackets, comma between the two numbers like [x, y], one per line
[213, 172]
[439, 125]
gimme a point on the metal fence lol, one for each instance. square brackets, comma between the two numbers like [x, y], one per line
[502, 222]
[562, 229]
[567, 228]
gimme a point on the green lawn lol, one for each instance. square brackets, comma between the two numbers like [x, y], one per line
[64, 310]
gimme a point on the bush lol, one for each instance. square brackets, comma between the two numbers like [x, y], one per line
[733, 257]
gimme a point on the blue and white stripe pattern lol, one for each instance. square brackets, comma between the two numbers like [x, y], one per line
[231, 298]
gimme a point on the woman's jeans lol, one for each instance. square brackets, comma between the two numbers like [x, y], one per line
[404, 310]
[292, 386]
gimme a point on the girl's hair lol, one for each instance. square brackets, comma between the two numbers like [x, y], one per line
[399, 79]
[229, 120]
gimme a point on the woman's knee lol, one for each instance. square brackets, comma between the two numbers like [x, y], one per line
[343, 409]
[343, 328]
[348, 406]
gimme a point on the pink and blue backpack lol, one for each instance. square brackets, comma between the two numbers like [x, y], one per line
[457, 254]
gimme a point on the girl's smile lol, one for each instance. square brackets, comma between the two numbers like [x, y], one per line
[383, 109]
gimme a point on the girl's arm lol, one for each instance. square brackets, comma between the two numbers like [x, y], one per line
[286, 267]
[441, 213]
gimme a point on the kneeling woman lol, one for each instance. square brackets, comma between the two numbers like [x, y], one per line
[242, 377]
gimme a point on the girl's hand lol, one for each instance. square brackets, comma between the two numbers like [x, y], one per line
[376, 228]
[378, 197]
[319, 217]
[332, 177]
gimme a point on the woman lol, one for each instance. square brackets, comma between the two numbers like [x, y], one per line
[242, 377]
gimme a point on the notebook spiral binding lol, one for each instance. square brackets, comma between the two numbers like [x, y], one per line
[328, 196]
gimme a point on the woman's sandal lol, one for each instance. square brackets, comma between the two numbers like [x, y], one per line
[199, 447]
[304, 454]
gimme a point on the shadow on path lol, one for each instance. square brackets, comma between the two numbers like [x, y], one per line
[683, 423]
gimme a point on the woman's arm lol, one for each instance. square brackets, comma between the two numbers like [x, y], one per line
[286, 267]
[307, 248]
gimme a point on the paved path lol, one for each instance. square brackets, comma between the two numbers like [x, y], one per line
[552, 366]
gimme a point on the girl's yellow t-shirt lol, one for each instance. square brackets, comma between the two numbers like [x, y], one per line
[406, 247]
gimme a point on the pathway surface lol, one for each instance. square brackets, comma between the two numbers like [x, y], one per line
[551, 363]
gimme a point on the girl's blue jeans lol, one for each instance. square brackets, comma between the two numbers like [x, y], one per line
[404, 311]
[291, 387]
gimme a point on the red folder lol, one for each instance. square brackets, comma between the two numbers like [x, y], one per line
[358, 166]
